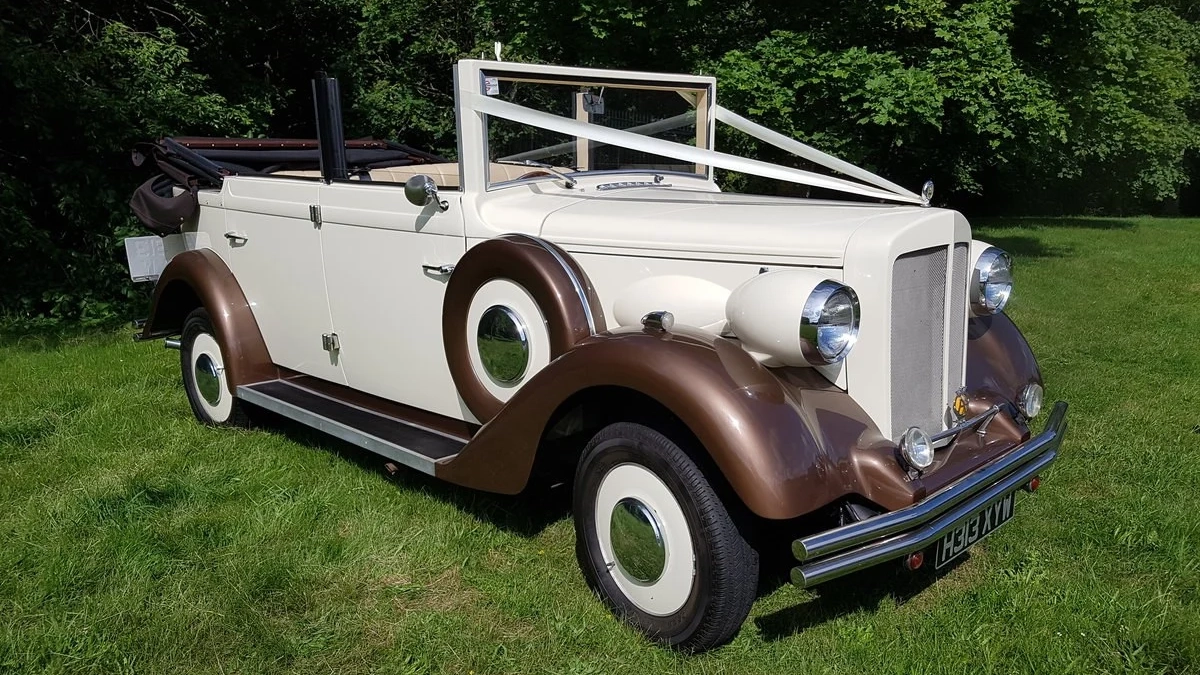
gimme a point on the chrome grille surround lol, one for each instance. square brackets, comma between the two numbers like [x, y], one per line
[928, 335]
[958, 319]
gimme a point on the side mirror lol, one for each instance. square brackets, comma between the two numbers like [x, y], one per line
[422, 191]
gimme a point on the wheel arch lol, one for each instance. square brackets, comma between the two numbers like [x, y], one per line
[584, 413]
[171, 307]
[199, 278]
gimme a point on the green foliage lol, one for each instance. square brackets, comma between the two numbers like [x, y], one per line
[79, 93]
[401, 66]
[1057, 106]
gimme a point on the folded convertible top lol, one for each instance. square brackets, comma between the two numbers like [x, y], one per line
[210, 159]
[189, 163]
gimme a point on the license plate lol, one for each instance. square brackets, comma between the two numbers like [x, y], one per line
[146, 257]
[982, 523]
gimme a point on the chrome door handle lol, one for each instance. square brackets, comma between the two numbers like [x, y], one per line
[235, 238]
[439, 270]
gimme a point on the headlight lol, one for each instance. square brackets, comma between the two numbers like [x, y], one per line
[1030, 400]
[991, 282]
[917, 448]
[829, 323]
[796, 317]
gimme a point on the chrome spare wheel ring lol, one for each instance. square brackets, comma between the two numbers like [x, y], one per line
[503, 344]
[208, 379]
[637, 541]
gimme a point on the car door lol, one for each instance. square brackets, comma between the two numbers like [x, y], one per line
[381, 253]
[273, 247]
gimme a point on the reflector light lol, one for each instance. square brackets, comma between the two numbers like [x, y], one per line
[914, 560]
[1033, 484]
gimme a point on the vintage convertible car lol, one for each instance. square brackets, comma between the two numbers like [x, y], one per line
[729, 378]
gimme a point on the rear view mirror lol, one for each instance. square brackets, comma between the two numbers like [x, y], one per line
[422, 191]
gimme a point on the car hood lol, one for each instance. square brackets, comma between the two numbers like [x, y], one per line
[715, 225]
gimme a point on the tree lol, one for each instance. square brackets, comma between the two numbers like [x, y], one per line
[1060, 105]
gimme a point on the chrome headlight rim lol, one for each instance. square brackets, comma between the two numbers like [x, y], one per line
[814, 312]
[981, 278]
[916, 447]
[1030, 400]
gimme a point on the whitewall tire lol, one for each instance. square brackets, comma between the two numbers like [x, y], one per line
[204, 378]
[657, 544]
[645, 541]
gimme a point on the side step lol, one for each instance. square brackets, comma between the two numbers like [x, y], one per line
[400, 441]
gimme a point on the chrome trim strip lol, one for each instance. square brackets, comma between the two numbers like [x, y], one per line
[575, 281]
[962, 426]
[909, 542]
[945, 500]
[627, 184]
[353, 436]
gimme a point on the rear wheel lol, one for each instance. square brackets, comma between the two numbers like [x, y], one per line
[204, 378]
[656, 543]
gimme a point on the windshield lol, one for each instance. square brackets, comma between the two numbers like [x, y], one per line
[668, 113]
[538, 121]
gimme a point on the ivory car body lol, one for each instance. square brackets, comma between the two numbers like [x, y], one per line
[721, 377]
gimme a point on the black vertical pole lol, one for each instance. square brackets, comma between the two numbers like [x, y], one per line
[331, 138]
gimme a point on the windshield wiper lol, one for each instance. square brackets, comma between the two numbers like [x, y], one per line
[543, 166]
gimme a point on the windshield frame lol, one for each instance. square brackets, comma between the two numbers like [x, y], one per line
[475, 100]
[476, 76]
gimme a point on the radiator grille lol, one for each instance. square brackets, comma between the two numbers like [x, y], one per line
[958, 317]
[919, 339]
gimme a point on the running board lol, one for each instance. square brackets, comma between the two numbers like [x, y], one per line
[400, 441]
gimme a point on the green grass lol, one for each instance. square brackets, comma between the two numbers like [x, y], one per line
[134, 540]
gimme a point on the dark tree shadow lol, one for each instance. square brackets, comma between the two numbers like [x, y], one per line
[856, 592]
[1079, 222]
[1020, 246]
[526, 514]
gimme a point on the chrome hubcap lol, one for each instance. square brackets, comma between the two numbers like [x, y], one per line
[503, 344]
[208, 382]
[637, 541]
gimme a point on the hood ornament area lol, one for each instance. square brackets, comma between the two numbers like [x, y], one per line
[927, 194]
[958, 407]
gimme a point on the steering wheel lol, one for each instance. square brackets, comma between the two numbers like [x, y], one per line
[536, 174]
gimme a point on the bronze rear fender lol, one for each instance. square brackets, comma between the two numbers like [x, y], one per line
[199, 278]
[786, 440]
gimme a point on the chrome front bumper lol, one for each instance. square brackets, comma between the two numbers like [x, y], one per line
[853, 547]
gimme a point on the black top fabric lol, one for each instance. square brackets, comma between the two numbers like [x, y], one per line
[159, 208]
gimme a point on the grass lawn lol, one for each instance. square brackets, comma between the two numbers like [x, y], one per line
[134, 540]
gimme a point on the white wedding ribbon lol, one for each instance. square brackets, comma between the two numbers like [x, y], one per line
[689, 154]
[808, 152]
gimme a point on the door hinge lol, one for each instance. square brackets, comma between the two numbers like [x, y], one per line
[314, 214]
[329, 341]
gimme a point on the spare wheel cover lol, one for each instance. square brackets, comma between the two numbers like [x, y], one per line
[504, 272]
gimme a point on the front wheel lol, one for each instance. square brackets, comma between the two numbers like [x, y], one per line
[204, 378]
[656, 543]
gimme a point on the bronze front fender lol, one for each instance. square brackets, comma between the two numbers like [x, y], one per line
[999, 360]
[786, 440]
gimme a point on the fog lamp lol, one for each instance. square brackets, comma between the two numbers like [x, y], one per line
[917, 448]
[1030, 400]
